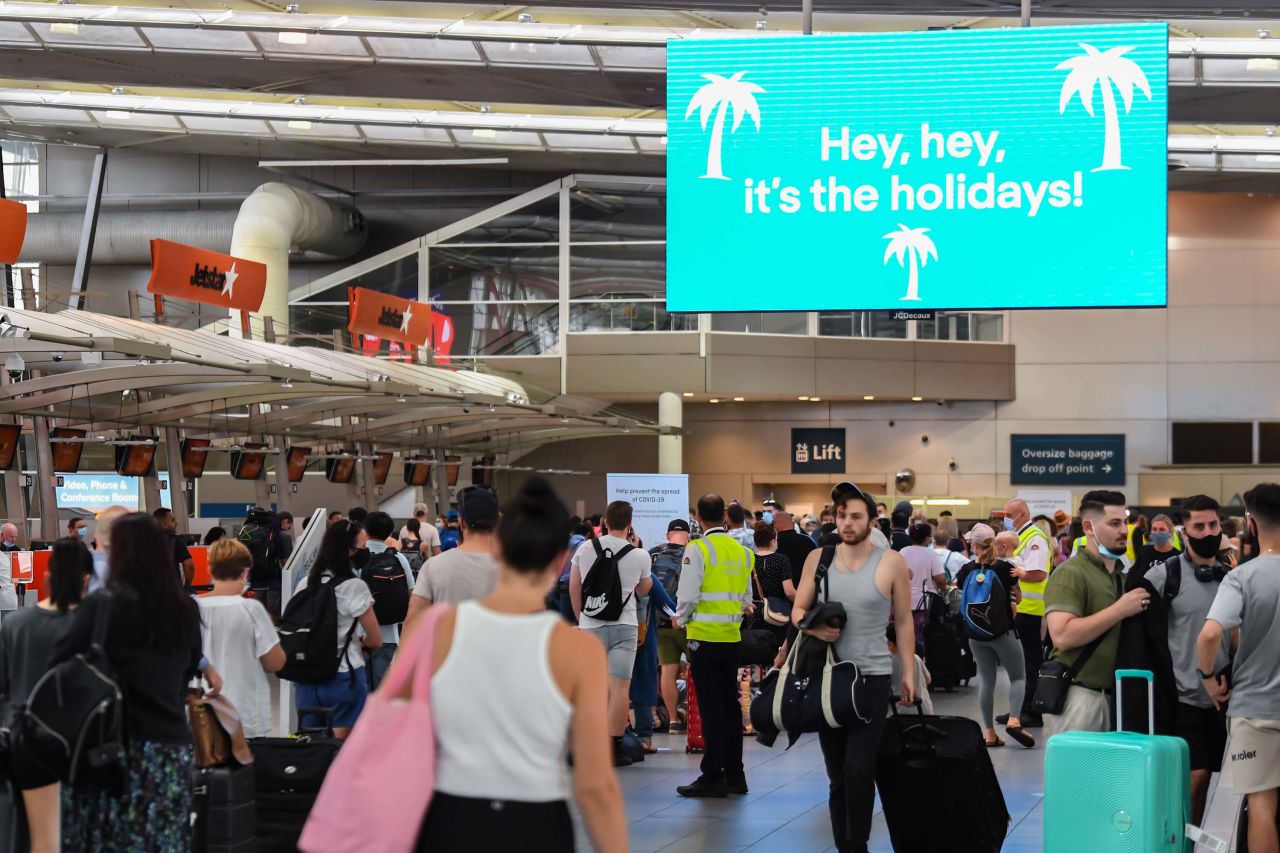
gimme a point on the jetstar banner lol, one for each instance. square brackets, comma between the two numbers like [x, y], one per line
[201, 275]
[385, 316]
[13, 229]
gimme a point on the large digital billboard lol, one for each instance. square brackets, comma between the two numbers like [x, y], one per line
[1019, 168]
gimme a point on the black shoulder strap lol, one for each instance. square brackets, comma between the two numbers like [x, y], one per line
[625, 550]
[98, 641]
[824, 564]
[595, 542]
[1172, 578]
[1097, 641]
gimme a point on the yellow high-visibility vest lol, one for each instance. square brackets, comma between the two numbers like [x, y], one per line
[1033, 592]
[726, 586]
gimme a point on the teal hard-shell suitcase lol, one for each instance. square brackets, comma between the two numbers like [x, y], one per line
[1117, 792]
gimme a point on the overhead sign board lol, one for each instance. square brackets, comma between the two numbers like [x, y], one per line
[1067, 460]
[817, 451]
[991, 168]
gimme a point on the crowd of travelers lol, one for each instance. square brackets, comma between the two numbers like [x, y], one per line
[556, 648]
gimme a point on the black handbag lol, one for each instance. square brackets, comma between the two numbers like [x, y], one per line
[1056, 678]
[759, 647]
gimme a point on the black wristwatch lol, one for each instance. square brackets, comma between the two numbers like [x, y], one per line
[1204, 676]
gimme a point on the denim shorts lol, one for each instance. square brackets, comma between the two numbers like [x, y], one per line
[620, 643]
[344, 694]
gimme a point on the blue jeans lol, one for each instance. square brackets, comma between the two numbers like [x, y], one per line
[644, 722]
[343, 693]
[379, 663]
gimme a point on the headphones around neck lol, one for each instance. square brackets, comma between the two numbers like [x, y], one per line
[1205, 574]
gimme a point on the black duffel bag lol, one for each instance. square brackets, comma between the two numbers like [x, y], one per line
[759, 647]
[805, 702]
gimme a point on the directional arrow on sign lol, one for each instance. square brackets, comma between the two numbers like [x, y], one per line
[1106, 469]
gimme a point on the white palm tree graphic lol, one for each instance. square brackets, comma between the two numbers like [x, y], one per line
[719, 95]
[910, 242]
[1108, 68]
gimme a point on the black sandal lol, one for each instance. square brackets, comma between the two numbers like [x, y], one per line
[1020, 736]
[993, 744]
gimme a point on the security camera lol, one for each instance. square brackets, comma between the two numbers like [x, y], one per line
[924, 439]
[57, 356]
[952, 464]
[15, 365]
[942, 402]
[466, 410]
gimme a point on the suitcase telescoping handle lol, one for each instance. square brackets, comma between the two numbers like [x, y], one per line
[1121, 675]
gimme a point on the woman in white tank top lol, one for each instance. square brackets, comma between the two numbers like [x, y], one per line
[515, 690]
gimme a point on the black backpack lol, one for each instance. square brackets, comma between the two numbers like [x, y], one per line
[667, 562]
[259, 535]
[308, 633]
[385, 578]
[73, 720]
[602, 587]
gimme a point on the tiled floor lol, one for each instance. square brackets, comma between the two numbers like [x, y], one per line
[786, 811]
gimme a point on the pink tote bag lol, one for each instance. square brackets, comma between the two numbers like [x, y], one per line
[377, 790]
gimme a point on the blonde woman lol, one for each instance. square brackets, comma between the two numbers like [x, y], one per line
[1002, 650]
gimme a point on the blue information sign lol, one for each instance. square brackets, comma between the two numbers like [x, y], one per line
[997, 168]
[1067, 460]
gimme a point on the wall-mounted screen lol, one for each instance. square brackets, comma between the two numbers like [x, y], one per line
[195, 455]
[66, 454]
[296, 459]
[977, 169]
[10, 435]
[247, 465]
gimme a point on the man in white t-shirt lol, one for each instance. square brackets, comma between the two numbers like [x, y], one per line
[426, 532]
[619, 636]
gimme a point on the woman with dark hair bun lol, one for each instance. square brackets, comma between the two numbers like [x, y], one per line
[27, 640]
[153, 644]
[515, 689]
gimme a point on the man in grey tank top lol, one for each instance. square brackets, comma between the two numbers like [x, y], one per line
[871, 582]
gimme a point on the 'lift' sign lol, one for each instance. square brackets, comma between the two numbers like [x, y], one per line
[817, 451]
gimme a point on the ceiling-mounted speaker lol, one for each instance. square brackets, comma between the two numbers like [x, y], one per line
[904, 481]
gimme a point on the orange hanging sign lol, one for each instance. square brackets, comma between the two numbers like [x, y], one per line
[382, 315]
[13, 229]
[201, 275]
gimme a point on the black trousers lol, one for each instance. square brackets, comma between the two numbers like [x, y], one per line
[850, 756]
[715, 677]
[1028, 628]
[468, 824]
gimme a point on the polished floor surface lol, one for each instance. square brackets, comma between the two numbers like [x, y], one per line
[786, 811]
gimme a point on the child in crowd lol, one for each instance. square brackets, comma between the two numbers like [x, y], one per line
[923, 678]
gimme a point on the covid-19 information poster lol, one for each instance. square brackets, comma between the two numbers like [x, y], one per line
[656, 500]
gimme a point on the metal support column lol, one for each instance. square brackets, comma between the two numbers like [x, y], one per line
[84, 254]
[566, 233]
[1026, 13]
[151, 499]
[15, 496]
[284, 489]
[364, 474]
[806, 16]
[46, 482]
[177, 482]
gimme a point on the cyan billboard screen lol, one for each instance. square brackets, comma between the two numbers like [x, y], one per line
[1020, 168]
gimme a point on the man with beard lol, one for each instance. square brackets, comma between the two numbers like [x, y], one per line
[862, 577]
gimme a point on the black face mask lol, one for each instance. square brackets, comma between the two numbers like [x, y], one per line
[1205, 547]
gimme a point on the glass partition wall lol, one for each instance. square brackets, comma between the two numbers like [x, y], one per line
[586, 253]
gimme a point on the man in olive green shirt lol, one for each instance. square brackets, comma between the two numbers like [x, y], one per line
[1084, 601]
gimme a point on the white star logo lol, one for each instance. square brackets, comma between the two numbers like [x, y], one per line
[404, 321]
[232, 275]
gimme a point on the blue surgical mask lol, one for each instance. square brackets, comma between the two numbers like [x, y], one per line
[1107, 553]
[1161, 537]
[767, 518]
[83, 531]
[1008, 523]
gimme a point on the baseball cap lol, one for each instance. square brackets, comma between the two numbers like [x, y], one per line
[980, 533]
[477, 504]
[678, 524]
[451, 515]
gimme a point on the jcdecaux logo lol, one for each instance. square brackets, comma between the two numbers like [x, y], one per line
[977, 169]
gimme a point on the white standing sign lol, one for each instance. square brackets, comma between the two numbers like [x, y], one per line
[1047, 501]
[655, 500]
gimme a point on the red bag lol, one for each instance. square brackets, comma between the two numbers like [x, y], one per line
[694, 741]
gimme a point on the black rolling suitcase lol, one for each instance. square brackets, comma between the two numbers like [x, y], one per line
[225, 812]
[927, 759]
[288, 772]
[942, 654]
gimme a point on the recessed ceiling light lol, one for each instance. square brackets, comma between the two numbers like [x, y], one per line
[1262, 63]
[714, 400]
[119, 115]
[525, 18]
[739, 399]
[65, 28]
[688, 393]
[815, 399]
[868, 397]
[484, 133]
[803, 399]
[916, 399]
[292, 37]
[299, 124]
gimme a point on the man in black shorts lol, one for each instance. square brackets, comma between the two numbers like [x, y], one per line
[1188, 584]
